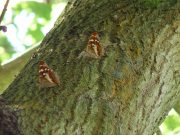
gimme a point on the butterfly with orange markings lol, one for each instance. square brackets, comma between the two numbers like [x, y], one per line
[94, 48]
[47, 77]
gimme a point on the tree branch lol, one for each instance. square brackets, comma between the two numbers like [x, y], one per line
[4, 11]
[129, 91]
[3, 28]
[10, 70]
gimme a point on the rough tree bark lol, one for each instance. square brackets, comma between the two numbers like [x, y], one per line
[8, 120]
[129, 91]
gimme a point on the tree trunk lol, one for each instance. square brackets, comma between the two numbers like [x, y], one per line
[128, 91]
[8, 120]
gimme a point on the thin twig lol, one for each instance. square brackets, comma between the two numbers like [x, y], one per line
[4, 11]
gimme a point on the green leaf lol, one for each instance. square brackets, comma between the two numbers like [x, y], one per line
[6, 50]
[36, 33]
[172, 122]
[41, 10]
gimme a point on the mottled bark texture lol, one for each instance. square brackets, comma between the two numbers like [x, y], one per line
[8, 120]
[129, 91]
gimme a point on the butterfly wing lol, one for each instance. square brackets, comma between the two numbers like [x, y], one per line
[94, 47]
[47, 77]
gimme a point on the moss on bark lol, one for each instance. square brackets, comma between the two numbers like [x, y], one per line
[128, 91]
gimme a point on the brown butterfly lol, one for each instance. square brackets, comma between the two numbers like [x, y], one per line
[47, 77]
[94, 48]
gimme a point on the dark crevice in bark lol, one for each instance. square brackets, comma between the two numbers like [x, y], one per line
[160, 89]
[88, 113]
[66, 127]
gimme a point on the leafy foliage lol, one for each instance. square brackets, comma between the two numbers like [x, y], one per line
[171, 125]
[6, 50]
[42, 14]
[41, 10]
[172, 122]
[28, 20]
